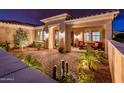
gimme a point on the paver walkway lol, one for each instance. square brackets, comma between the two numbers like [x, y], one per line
[12, 70]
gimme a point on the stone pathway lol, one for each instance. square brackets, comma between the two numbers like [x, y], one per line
[50, 58]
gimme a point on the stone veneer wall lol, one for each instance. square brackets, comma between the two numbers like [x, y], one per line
[8, 30]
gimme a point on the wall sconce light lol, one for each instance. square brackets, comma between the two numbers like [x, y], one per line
[76, 36]
[61, 34]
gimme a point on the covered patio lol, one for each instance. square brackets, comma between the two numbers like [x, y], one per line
[60, 31]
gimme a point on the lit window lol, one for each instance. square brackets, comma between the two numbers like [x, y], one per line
[96, 36]
[40, 35]
[86, 36]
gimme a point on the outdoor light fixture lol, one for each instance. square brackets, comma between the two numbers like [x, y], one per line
[61, 33]
[76, 36]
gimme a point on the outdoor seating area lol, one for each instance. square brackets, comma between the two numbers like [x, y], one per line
[97, 45]
[82, 45]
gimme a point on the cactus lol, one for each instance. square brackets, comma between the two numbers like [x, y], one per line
[54, 72]
[66, 68]
[63, 70]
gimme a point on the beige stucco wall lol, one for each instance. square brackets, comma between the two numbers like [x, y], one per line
[116, 61]
[8, 30]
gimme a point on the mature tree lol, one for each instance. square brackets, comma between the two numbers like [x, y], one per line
[20, 37]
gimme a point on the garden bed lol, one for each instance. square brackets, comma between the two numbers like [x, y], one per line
[48, 59]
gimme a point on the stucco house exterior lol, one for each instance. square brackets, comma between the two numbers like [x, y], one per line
[61, 30]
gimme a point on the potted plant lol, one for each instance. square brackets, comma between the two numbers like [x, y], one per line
[39, 46]
[61, 50]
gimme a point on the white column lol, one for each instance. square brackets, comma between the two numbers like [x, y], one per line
[51, 38]
[68, 38]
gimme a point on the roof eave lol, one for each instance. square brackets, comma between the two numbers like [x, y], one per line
[54, 18]
[103, 16]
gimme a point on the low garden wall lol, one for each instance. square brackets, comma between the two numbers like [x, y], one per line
[116, 60]
[8, 30]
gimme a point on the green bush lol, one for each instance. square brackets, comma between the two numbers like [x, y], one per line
[90, 59]
[31, 61]
[100, 56]
[20, 37]
[4, 46]
[61, 50]
[69, 78]
[39, 46]
[85, 78]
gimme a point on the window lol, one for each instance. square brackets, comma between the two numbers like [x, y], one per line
[86, 36]
[96, 36]
[40, 35]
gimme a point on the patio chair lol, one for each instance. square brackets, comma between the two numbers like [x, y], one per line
[81, 45]
[97, 45]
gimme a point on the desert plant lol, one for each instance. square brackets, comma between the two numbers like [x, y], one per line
[100, 56]
[32, 62]
[89, 59]
[39, 46]
[69, 78]
[4, 46]
[61, 50]
[20, 37]
[85, 78]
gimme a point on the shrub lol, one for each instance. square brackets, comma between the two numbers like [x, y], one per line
[100, 56]
[20, 37]
[4, 46]
[119, 37]
[61, 50]
[32, 62]
[69, 78]
[85, 78]
[89, 59]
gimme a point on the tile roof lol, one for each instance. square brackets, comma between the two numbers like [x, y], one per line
[17, 22]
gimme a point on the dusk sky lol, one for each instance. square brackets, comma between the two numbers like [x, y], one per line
[33, 16]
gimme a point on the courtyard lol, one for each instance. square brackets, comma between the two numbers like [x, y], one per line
[49, 58]
[67, 50]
